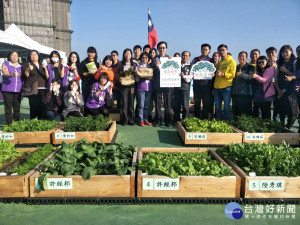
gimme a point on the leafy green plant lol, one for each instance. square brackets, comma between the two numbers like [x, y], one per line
[30, 125]
[88, 123]
[196, 125]
[32, 160]
[264, 159]
[8, 153]
[252, 124]
[88, 159]
[185, 164]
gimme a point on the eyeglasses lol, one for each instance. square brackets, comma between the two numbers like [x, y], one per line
[162, 48]
[261, 62]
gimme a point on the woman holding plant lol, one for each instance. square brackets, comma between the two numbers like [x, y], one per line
[125, 74]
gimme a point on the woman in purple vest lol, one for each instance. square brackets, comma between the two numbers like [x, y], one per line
[55, 70]
[100, 99]
[71, 71]
[144, 90]
[11, 87]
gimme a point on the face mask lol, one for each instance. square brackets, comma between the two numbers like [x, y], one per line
[54, 59]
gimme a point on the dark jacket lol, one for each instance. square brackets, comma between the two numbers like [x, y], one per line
[88, 80]
[242, 85]
[55, 103]
[186, 69]
[35, 74]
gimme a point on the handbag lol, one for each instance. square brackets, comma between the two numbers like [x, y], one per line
[145, 73]
[127, 80]
[31, 89]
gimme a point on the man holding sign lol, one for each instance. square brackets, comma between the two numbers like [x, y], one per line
[203, 87]
[166, 75]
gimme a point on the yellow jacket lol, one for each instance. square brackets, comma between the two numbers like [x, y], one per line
[227, 66]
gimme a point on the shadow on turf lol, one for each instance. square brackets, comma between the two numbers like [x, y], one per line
[169, 137]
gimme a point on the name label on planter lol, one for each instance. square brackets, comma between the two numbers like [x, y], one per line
[56, 183]
[65, 135]
[161, 184]
[254, 137]
[7, 136]
[196, 136]
[266, 185]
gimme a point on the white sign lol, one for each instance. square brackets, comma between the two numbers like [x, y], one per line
[65, 135]
[254, 136]
[266, 185]
[203, 70]
[161, 184]
[7, 136]
[170, 70]
[196, 136]
[56, 183]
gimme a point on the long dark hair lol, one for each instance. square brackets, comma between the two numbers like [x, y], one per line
[131, 60]
[29, 57]
[93, 50]
[155, 50]
[259, 70]
[298, 60]
[280, 61]
[51, 55]
[77, 62]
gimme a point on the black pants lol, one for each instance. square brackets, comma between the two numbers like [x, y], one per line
[37, 105]
[167, 95]
[181, 98]
[96, 111]
[127, 105]
[241, 104]
[265, 108]
[12, 102]
[203, 93]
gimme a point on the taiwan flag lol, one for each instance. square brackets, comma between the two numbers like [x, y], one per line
[152, 35]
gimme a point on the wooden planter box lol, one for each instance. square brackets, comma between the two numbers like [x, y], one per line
[188, 186]
[70, 137]
[291, 138]
[115, 116]
[16, 186]
[97, 186]
[38, 137]
[209, 138]
[267, 186]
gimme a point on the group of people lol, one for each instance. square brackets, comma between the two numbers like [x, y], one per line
[54, 92]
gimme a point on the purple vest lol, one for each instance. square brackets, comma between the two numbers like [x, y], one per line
[51, 73]
[65, 80]
[94, 103]
[12, 84]
[143, 84]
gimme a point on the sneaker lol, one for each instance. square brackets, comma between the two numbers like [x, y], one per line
[156, 124]
[169, 125]
[142, 124]
[131, 124]
[147, 123]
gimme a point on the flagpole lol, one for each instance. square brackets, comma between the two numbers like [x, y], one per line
[148, 24]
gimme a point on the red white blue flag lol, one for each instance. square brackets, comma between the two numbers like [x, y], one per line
[152, 35]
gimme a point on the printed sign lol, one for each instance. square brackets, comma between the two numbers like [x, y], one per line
[56, 183]
[254, 137]
[170, 70]
[196, 136]
[161, 184]
[65, 135]
[203, 70]
[266, 185]
[7, 136]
